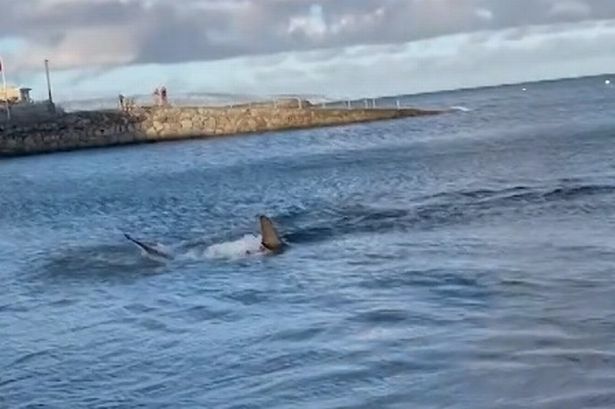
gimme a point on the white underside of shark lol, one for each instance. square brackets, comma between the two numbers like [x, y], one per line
[268, 242]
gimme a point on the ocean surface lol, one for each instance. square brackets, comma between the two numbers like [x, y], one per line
[459, 261]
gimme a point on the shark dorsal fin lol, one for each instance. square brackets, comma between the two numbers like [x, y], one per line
[271, 238]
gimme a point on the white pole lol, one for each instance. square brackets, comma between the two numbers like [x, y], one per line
[6, 95]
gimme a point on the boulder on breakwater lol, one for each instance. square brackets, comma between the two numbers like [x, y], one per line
[80, 130]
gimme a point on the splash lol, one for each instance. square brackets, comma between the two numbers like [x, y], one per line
[248, 245]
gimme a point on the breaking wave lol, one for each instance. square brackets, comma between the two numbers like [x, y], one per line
[461, 108]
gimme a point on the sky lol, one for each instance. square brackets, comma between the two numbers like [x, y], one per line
[333, 48]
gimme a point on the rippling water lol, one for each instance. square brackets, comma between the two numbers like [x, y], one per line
[459, 261]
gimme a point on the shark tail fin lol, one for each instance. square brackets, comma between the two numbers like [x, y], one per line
[150, 250]
[135, 241]
[141, 245]
[270, 237]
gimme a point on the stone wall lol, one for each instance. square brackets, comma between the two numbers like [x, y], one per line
[108, 128]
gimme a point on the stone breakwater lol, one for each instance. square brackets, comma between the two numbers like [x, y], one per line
[82, 130]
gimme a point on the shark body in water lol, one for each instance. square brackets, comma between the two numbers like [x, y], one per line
[271, 243]
[149, 249]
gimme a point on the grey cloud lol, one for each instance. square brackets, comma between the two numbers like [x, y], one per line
[165, 31]
[538, 54]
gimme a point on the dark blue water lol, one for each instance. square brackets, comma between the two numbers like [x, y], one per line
[459, 261]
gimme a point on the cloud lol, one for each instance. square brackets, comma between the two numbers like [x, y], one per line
[313, 25]
[82, 33]
[332, 47]
[446, 62]
[570, 9]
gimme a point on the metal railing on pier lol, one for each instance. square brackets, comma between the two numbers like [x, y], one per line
[233, 100]
[40, 111]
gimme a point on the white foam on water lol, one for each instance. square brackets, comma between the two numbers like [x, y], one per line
[163, 248]
[248, 245]
[461, 108]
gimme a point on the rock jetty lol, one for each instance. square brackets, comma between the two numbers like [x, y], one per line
[80, 130]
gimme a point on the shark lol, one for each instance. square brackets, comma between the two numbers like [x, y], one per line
[271, 242]
[148, 249]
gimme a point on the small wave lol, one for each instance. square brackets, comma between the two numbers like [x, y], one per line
[246, 246]
[526, 193]
[551, 194]
[96, 261]
[449, 207]
[461, 108]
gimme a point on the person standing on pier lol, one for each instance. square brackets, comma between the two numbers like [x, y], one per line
[157, 97]
[163, 95]
[122, 102]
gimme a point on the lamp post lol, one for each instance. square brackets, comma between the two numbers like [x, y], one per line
[50, 97]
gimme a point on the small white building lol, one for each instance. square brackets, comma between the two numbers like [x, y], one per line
[15, 95]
